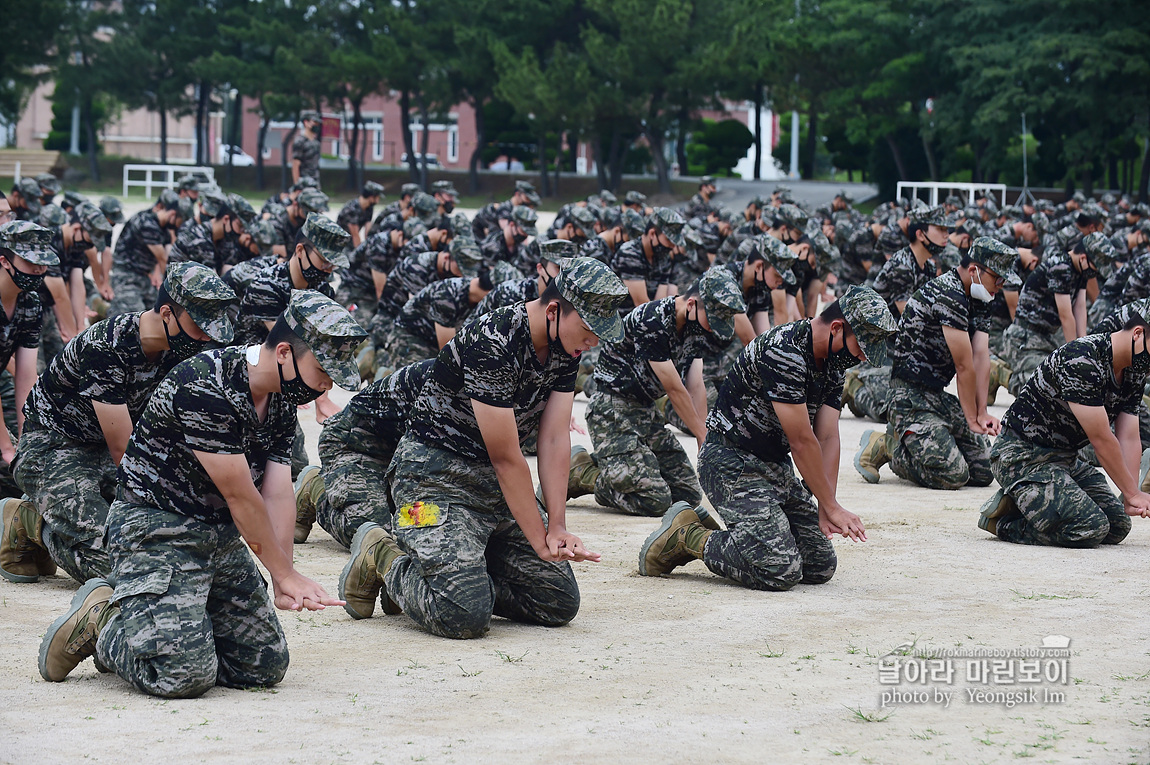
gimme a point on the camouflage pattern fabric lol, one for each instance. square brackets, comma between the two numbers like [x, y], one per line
[409, 276]
[71, 485]
[643, 468]
[1024, 349]
[772, 540]
[738, 235]
[400, 347]
[891, 240]
[133, 292]
[194, 243]
[1080, 372]
[1055, 275]
[929, 441]
[630, 264]
[204, 404]
[131, 253]
[465, 558]
[1062, 501]
[901, 277]
[353, 214]
[287, 228]
[486, 220]
[1116, 320]
[240, 277]
[194, 610]
[446, 302]
[493, 361]
[870, 401]
[306, 150]
[51, 344]
[508, 293]
[495, 249]
[265, 299]
[1137, 285]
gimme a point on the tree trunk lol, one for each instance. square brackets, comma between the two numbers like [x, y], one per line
[897, 155]
[759, 131]
[423, 140]
[558, 160]
[163, 112]
[289, 136]
[657, 145]
[1144, 177]
[352, 172]
[265, 122]
[812, 139]
[850, 175]
[234, 134]
[681, 144]
[616, 158]
[929, 152]
[202, 148]
[480, 141]
[408, 141]
[1088, 180]
[544, 177]
[90, 128]
[600, 164]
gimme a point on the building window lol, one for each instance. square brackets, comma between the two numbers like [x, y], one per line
[453, 143]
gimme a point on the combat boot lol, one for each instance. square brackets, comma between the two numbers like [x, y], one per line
[680, 538]
[583, 473]
[72, 637]
[372, 553]
[871, 455]
[999, 378]
[998, 506]
[306, 487]
[365, 360]
[852, 384]
[23, 557]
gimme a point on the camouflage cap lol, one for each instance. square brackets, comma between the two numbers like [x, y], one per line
[312, 201]
[1079, 197]
[329, 331]
[331, 240]
[461, 226]
[1044, 205]
[693, 240]
[48, 183]
[583, 219]
[467, 254]
[112, 209]
[204, 295]
[309, 114]
[707, 180]
[372, 189]
[525, 187]
[668, 223]
[30, 190]
[425, 207]
[610, 217]
[29, 241]
[722, 300]
[780, 189]
[306, 182]
[634, 224]
[265, 235]
[1098, 249]
[1041, 222]
[929, 216]
[444, 187]
[408, 189]
[634, 198]
[607, 198]
[186, 208]
[93, 220]
[778, 255]
[786, 197]
[242, 208]
[212, 203]
[873, 325]
[1011, 211]
[825, 252]
[997, 257]
[526, 218]
[758, 201]
[596, 292]
[169, 200]
[503, 271]
[413, 227]
[953, 201]
[188, 183]
[52, 216]
[73, 198]
[970, 228]
[556, 250]
[792, 216]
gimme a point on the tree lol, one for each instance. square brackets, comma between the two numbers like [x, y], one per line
[25, 55]
[718, 146]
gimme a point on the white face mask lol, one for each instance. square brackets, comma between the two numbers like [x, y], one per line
[978, 291]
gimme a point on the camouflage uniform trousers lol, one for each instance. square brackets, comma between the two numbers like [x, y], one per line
[364, 301]
[1062, 500]
[194, 610]
[8, 487]
[133, 292]
[400, 348]
[643, 468]
[470, 560]
[587, 361]
[930, 442]
[1024, 349]
[353, 489]
[772, 541]
[71, 484]
[870, 401]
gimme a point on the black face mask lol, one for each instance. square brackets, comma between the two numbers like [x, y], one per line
[519, 236]
[555, 344]
[297, 392]
[693, 326]
[448, 206]
[311, 274]
[1140, 362]
[659, 250]
[842, 359]
[183, 345]
[934, 249]
[26, 282]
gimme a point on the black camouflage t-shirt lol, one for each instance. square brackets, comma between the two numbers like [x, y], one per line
[630, 264]
[306, 150]
[495, 249]
[650, 334]
[445, 303]
[1116, 321]
[286, 228]
[921, 354]
[758, 297]
[492, 361]
[901, 277]
[487, 219]
[204, 404]
[194, 243]
[1138, 281]
[409, 276]
[75, 256]
[1080, 372]
[141, 231]
[244, 273]
[596, 247]
[376, 417]
[264, 300]
[353, 214]
[1055, 275]
[891, 240]
[375, 253]
[777, 366]
[22, 330]
[507, 293]
[105, 363]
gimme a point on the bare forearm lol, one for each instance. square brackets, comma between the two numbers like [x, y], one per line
[251, 516]
[967, 396]
[515, 482]
[812, 465]
[1111, 457]
[685, 408]
[554, 467]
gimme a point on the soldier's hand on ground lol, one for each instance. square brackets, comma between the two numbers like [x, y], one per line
[991, 425]
[565, 546]
[839, 520]
[1138, 504]
[576, 427]
[296, 592]
[107, 293]
[976, 427]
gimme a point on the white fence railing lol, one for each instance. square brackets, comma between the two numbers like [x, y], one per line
[160, 176]
[967, 190]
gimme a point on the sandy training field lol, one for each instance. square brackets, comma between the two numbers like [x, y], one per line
[685, 669]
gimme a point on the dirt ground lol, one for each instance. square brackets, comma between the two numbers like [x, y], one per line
[686, 669]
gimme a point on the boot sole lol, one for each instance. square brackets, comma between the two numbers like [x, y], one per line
[863, 443]
[356, 548]
[994, 509]
[668, 519]
[17, 578]
[77, 602]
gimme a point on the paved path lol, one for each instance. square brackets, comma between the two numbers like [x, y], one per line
[734, 194]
